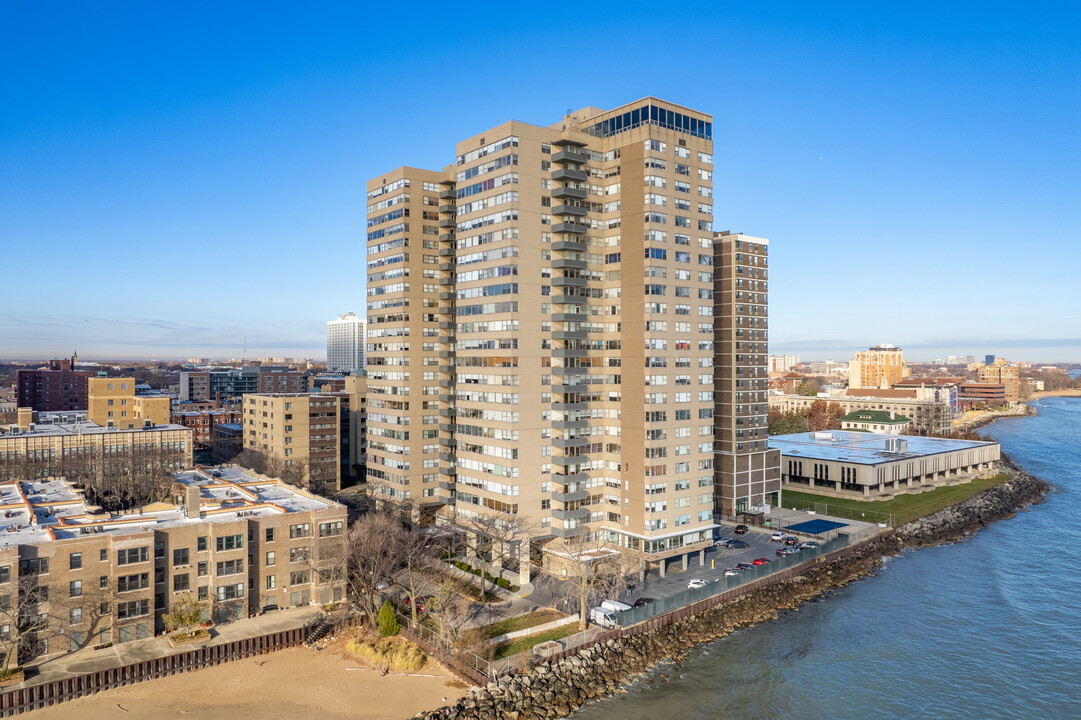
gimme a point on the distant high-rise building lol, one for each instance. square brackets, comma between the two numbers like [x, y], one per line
[345, 343]
[748, 473]
[879, 367]
[988, 359]
[783, 363]
[1002, 372]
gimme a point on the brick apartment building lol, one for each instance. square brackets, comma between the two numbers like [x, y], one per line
[237, 541]
[57, 387]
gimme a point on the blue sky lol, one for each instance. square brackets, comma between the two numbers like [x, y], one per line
[174, 177]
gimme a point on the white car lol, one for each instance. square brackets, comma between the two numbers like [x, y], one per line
[778, 536]
[732, 572]
[697, 583]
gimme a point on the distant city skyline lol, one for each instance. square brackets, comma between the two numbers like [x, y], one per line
[164, 172]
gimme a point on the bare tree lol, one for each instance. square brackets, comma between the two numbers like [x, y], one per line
[498, 537]
[22, 624]
[371, 547]
[595, 570]
[450, 612]
[418, 556]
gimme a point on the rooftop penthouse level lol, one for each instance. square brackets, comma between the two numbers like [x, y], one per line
[859, 464]
[236, 540]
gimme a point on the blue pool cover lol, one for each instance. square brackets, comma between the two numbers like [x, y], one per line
[815, 527]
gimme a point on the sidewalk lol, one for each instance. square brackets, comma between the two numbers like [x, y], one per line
[88, 660]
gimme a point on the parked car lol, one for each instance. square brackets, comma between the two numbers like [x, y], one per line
[741, 529]
[787, 551]
[744, 565]
[778, 536]
[601, 616]
[732, 572]
[644, 601]
[791, 540]
[422, 602]
[722, 541]
[738, 545]
[808, 545]
[762, 561]
[697, 583]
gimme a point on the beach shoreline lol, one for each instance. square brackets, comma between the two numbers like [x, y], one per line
[282, 685]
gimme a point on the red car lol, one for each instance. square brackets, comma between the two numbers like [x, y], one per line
[762, 561]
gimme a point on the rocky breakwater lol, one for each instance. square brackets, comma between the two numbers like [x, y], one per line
[556, 689]
[961, 520]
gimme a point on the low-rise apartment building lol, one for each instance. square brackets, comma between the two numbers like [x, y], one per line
[66, 444]
[112, 402]
[237, 541]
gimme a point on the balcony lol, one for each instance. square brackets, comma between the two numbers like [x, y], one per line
[565, 174]
[574, 245]
[570, 192]
[565, 460]
[448, 194]
[569, 282]
[571, 496]
[570, 227]
[448, 209]
[564, 443]
[569, 156]
[448, 223]
[569, 263]
[568, 317]
[578, 514]
[570, 335]
[577, 210]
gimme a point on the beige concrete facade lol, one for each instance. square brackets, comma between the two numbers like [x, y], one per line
[575, 334]
[300, 429]
[112, 401]
[879, 367]
[236, 541]
[401, 356]
[748, 472]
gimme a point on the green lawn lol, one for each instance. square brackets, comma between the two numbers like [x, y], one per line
[516, 646]
[905, 508]
[518, 623]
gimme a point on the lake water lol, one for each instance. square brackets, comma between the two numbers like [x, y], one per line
[987, 628]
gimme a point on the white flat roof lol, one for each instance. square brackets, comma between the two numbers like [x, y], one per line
[35, 512]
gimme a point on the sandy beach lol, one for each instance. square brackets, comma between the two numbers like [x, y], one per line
[1067, 392]
[299, 682]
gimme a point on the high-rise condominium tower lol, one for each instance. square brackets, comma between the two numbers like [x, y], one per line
[541, 331]
[748, 472]
[345, 343]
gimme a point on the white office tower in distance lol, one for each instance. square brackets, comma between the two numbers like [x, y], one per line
[345, 343]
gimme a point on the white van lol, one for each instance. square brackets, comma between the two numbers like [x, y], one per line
[615, 606]
[603, 617]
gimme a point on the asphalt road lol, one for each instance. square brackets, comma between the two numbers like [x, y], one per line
[548, 589]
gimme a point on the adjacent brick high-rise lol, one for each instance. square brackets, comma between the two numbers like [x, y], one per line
[748, 472]
[541, 330]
